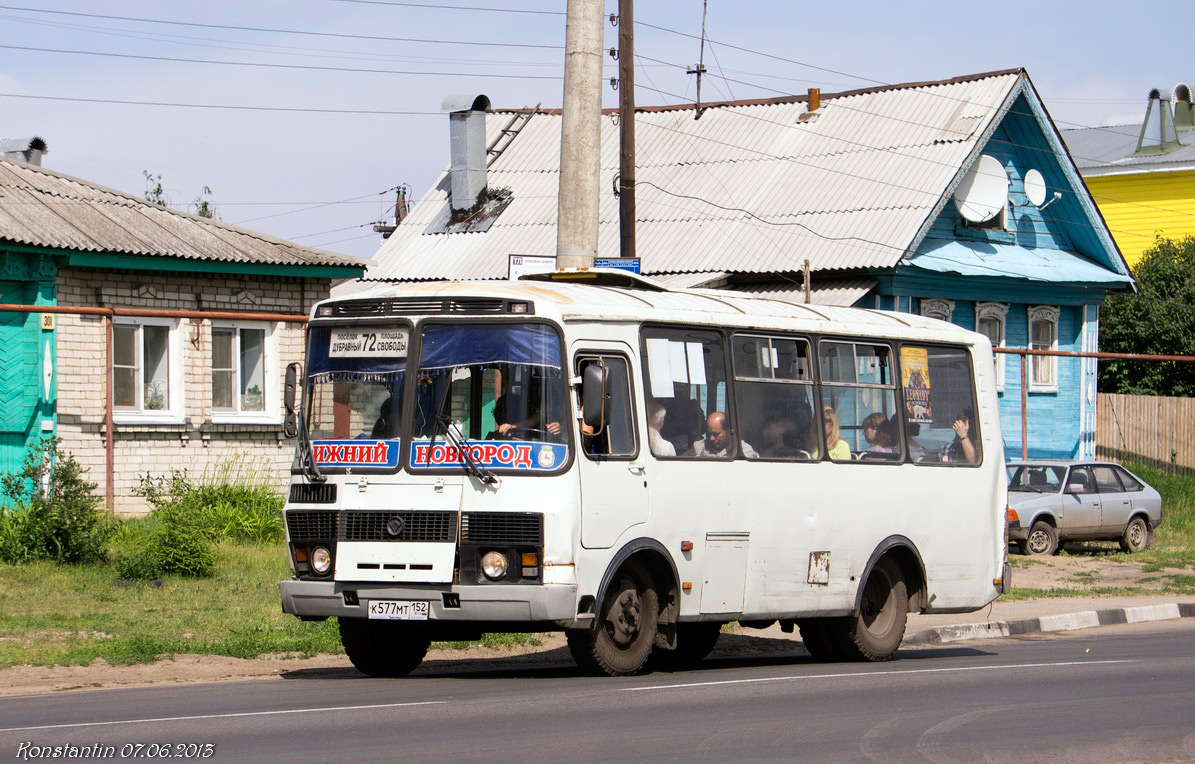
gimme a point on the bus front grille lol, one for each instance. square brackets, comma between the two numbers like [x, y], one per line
[412, 525]
[311, 526]
[502, 528]
[313, 493]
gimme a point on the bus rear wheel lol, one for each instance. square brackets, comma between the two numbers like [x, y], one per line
[875, 632]
[383, 648]
[625, 633]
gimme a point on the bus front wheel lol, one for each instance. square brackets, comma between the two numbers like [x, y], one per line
[622, 640]
[875, 632]
[383, 648]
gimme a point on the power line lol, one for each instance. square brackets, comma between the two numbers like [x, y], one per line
[228, 107]
[452, 7]
[262, 65]
[274, 30]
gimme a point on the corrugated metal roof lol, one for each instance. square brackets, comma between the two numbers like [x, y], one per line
[973, 258]
[1109, 150]
[580, 301]
[843, 293]
[43, 208]
[750, 187]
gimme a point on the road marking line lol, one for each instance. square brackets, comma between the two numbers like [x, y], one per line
[872, 673]
[223, 716]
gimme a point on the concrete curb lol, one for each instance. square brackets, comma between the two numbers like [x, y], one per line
[1070, 621]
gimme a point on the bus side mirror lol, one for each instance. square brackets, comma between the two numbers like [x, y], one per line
[290, 426]
[593, 396]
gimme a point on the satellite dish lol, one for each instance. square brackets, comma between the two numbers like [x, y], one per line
[983, 192]
[1035, 187]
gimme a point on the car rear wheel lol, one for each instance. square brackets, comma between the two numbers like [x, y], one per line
[1136, 536]
[1042, 539]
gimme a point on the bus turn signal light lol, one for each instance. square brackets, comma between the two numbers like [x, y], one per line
[1012, 516]
[686, 546]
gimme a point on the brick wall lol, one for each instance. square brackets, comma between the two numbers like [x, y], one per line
[194, 441]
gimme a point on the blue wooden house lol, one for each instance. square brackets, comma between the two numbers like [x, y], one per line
[955, 199]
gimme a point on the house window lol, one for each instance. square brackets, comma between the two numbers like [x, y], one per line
[145, 369]
[937, 308]
[991, 318]
[1043, 335]
[240, 358]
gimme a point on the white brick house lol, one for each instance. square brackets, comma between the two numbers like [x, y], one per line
[205, 317]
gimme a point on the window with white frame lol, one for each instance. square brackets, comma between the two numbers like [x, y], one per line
[241, 354]
[935, 307]
[991, 320]
[146, 369]
[1043, 335]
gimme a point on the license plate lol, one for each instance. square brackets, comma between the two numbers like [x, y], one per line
[399, 610]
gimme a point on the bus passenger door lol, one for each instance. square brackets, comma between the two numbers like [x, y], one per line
[611, 463]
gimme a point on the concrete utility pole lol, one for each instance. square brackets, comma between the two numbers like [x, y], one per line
[626, 125]
[580, 136]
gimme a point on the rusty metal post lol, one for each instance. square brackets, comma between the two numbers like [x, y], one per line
[109, 434]
[1024, 406]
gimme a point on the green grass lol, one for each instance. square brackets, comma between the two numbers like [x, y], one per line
[69, 615]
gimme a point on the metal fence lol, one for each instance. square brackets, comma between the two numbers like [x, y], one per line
[1146, 428]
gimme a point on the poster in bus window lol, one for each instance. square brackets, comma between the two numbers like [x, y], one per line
[914, 368]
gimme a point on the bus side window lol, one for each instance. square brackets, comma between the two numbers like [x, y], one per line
[684, 371]
[939, 406]
[859, 386]
[617, 439]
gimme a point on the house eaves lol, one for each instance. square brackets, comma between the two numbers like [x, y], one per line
[46, 210]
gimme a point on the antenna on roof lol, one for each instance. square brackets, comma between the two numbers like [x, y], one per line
[699, 67]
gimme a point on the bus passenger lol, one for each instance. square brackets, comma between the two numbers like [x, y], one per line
[878, 432]
[655, 421]
[719, 439]
[840, 450]
[963, 448]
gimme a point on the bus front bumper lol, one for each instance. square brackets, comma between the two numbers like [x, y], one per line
[514, 604]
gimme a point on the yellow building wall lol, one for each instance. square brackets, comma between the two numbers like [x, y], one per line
[1140, 208]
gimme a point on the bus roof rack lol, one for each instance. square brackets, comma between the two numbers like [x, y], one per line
[606, 277]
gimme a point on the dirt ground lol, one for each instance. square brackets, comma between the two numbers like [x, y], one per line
[1074, 571]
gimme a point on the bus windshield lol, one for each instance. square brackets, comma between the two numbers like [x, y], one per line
[356, 380]
[497, 390]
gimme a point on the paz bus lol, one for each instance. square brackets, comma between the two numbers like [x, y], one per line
[593, 453]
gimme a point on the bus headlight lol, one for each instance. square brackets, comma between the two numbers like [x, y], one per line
[321, 560]
[494, 565]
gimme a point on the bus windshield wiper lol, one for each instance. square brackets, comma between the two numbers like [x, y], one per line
[457, 440]
[453, 434]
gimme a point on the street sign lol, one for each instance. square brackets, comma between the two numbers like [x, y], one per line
[522, 264]
[618, 263]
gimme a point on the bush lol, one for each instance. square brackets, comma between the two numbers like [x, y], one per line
[231, 502]
[55, 514]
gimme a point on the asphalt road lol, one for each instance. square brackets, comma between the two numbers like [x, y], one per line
[1123, 693]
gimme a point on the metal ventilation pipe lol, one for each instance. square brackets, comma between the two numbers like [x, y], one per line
[466, 131]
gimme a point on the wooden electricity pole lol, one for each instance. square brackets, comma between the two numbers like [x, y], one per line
[626, 124]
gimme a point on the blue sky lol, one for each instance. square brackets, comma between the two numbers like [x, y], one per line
[321, 178]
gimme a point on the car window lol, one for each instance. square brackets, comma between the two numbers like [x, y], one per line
[1028, 477]
[1106, 480]
[1080, 481]
[1129, 482]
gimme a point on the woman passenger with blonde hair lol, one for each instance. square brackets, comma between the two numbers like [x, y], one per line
[839, 449]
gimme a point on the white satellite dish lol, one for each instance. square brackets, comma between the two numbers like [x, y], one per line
[1035, 187]
[982, 194]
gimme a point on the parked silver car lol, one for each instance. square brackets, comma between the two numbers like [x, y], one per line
[1055, 501]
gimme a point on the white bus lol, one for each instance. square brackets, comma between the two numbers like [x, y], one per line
[593, 453]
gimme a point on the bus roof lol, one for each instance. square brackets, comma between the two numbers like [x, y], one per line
[617, 296]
